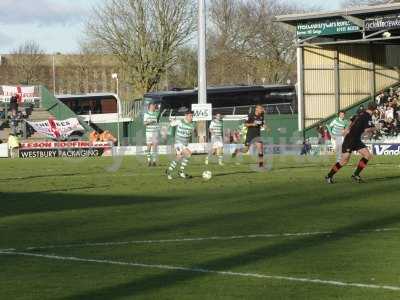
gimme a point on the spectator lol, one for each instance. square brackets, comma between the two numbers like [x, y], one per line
[14, 105]
[321, 131]
[94, 136]
[106, 136]
[387, 117]
[13, 145]
[306, 149]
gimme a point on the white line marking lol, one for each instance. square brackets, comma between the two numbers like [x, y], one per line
[215, 238]
[201, 270]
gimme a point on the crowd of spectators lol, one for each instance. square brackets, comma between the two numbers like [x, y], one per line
[14, 117]
[387, 117]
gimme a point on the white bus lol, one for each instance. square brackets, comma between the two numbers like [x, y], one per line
[104, 111]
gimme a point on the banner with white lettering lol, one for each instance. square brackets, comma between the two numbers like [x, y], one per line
[382, 23]
[56, 129]
[68, 149]
[202, 112]
[386, 149]
[24, 94]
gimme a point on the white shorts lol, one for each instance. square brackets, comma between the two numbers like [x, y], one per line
[152, 138]
[179, 147]
[217, 142]
[337, 141]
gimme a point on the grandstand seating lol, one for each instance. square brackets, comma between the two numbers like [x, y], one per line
[352, 110]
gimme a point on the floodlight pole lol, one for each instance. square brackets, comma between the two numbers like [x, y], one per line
[115, 76]
[54, 74]
[202, 71]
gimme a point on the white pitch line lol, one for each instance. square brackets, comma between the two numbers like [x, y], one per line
[206, 271]
[196, 239]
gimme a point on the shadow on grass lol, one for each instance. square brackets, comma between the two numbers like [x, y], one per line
[31, 177]
[53, 201]
[385, 178]
[267, 208]
[171, 278]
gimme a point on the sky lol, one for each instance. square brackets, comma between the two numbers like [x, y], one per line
[57, 25]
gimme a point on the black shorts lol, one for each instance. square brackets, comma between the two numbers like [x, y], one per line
[252, 139]
[350, 145]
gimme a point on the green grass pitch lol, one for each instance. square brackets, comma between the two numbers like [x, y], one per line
[116, 229]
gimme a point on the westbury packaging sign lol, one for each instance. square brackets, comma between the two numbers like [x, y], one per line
[65, 149]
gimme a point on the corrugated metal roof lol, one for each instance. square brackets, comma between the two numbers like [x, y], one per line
[361, 11]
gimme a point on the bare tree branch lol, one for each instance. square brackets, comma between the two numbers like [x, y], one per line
[27, 59]
[143, 34]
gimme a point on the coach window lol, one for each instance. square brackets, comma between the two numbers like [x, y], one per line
[108, 106]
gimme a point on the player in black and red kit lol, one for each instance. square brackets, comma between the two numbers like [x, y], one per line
[361, 124]
[254, 124]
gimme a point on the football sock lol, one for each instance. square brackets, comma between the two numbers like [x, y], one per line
[184, 164]
[336, 167]
[148, 155]
[153, 156]
[172, 165]
[261, 160]
[361, 166]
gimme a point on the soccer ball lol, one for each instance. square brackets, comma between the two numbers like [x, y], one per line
[207, 175]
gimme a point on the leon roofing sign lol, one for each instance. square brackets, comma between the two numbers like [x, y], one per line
[326, 27]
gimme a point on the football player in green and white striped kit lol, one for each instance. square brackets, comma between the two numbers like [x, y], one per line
[336, 129]
[183, 134]
[151, 121]
[217, 139]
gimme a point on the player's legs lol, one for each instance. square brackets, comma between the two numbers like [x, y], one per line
[148, 153]
[362, 164]
[240, 150]
[210, 152]
[220, 154]
[333, 141]
[174, 163]
[186, 154]
[154, 148]
[338, 147]
[260, 151]
[153, 153]
[336, 167]
[218, 148]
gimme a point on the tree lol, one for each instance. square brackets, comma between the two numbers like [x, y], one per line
[247, 46]
[144, 35]
[183, 73]
[27, 59]
[79, 66]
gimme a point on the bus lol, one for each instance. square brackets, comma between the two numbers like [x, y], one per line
[229, 100]
[235, 103]
[102, 111]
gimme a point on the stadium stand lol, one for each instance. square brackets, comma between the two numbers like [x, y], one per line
[387, 119]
